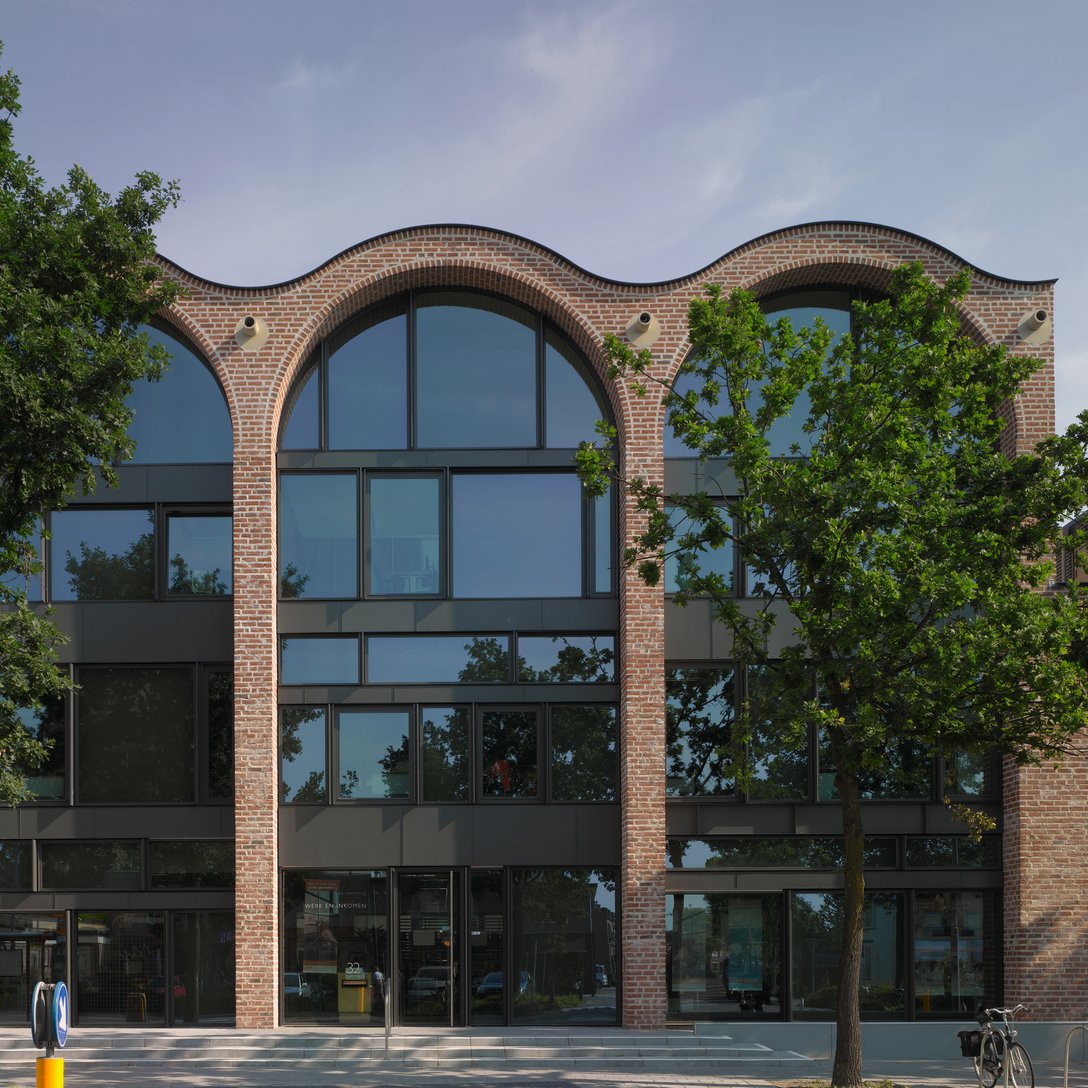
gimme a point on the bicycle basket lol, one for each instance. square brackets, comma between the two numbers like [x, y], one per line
[970, 1043]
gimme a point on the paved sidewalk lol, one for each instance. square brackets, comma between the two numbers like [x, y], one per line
[913, 1074]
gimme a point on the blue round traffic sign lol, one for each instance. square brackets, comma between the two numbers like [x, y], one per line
[39, 1015]
[60, 1013]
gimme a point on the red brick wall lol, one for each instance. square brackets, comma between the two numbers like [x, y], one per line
[299, 313]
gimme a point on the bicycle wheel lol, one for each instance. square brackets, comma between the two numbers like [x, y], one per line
[1021, 1075]
[988, 1062]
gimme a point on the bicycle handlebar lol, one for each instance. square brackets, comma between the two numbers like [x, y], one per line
[1004, 1014]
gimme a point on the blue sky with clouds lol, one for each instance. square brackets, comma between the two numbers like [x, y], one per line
[640, 140]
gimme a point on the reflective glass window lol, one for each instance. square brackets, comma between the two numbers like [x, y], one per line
[567, 659]
[181, 418]
[319, 535]
[955, 952]
[301, 431]
[15, 875]
[203, 991]
[517, 535]
[815, 936]
[475, 376]
[121, 956]
[373, 754]
[368, 389]
[319, 660]
[779, 754]
[786, 436]
[565, 946]
[91, 865]
[437, 659]
[35, 944]
[487, 913]
[583, 753]
[26, 579]
[333, 918]
[571, 409]
[953, 852]
[46, 723]
[302, 754]
[509, 741]
[906, 772]
[724, 957]
[602, 543]
[102, 555]
[445, 755]
[405, 541]
[189, 864]
[775, 852]
[972, 774]
[135, 735]
[681, 568]
[199, 548]
[699, 716]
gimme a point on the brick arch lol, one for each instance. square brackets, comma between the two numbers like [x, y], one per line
[534, 293]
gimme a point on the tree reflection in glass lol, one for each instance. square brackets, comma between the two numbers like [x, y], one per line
[583, 755]
[699, 717]
[102, 555]
[302, 752]
[445, 753]
[509, 746]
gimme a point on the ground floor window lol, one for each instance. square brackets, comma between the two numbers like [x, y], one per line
[776, 956]
[32, 950]
[451, 947]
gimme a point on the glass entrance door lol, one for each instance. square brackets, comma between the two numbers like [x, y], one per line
[429, 925]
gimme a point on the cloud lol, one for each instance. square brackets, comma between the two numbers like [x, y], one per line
[305, 79]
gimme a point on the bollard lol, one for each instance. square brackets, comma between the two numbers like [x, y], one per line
[49, 1073]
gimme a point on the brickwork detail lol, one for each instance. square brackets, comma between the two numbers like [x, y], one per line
[299, 313]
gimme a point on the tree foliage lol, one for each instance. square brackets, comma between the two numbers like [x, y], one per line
[76, 280]
[904, 551]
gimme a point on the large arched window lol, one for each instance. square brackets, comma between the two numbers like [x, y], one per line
[182, 418]
[786, 434]
[444, 370]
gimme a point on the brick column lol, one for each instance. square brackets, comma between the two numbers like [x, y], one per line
[256, 770]
[642, 754]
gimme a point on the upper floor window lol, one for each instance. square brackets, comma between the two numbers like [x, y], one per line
[182, 418]
[444, 370]
[785, 436]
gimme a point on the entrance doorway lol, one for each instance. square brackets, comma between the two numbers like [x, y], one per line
[449, 943]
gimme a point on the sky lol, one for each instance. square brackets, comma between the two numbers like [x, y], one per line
[640, 140]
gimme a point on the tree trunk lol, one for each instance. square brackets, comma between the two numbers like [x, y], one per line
[847, 1069]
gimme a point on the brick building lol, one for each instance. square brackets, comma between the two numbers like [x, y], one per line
[362, 687]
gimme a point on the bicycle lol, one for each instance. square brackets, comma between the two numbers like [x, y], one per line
[995, 1052]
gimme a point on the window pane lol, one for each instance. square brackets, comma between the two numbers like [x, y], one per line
[971, 774]
[680, 569]
[368, 389]
[509, 763]
[906, 773]
[517, 535]
[475, 375]
[815, 937]
[724, 959]
[98, 865]
[199, 550]
[437, 659]
[955, 952]
[445, 753]
[564, 944]
[36, 944]
[182, 417]
[46, 781]
[102, 555]
[566, 659]
[571, 408]
[405, 550]
[757, 852]
[302, 747]
[953, 852]
[305, 660]
[25, 580]
[319, 535]
[220, 735]
[699, 717]
[203, 967]
[487, 911]
[373, 753]
[192, 865]
[121, 957]
[779, 748]
[602, 543]
[135, 735]
[301, 429]
[14, 866]
[583, 756]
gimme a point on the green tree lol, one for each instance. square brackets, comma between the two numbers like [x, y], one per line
[900, 545]
[76, 280]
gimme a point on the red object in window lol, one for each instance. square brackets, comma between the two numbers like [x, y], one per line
[500, 769]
